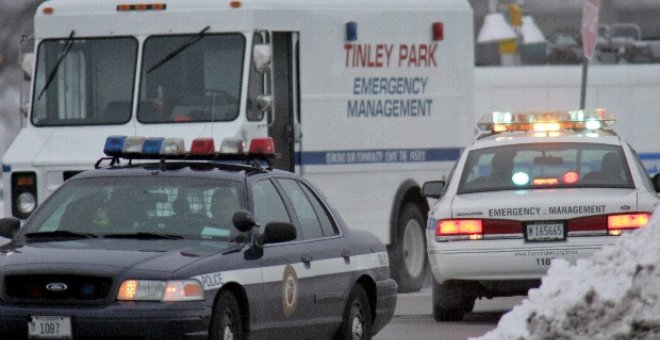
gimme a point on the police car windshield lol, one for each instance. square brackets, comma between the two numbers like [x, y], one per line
[545, 165]
[143, 208]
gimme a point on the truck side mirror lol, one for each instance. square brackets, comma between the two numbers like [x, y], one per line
[433, 189]
[262, 57]
[27, 60]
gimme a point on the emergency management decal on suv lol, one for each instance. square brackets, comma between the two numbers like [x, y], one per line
[289, 291]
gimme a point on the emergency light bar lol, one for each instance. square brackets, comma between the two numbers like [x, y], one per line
[135, 147]
[546, 121]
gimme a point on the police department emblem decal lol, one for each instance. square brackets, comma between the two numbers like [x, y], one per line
[289, 291]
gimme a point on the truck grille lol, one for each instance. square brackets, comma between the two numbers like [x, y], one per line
[57, 288]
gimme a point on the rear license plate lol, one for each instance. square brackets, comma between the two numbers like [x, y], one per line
[49, 327]
[538, 232]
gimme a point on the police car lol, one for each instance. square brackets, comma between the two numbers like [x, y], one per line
[534, 187]
[156, 243]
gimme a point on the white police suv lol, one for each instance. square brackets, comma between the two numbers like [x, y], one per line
[160, 244]
[532, 188]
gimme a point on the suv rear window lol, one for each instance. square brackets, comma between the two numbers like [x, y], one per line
[548, 165]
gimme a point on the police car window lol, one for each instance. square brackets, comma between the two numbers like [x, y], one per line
[327, 225]
[168, 206]
[310, 224]
[545, 165]
[268, 204]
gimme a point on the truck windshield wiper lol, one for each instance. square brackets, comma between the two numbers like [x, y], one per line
[180, 49]
[145, 236]
[63, 52]
[58, 234]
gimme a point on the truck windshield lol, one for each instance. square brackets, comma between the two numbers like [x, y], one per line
[84, 81]
[545, 165]
[191, 78]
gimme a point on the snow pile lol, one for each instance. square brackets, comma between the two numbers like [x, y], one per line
[615, 294]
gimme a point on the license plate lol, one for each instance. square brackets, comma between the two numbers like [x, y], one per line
[49, 327]
[545, 232]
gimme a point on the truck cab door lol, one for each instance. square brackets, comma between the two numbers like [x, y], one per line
[285, 122]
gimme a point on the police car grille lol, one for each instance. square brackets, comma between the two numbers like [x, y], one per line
[57, 288]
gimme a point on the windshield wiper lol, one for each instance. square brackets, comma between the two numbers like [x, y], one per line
[65, 50]
[58, 234]
[180, 49]
[145, 236]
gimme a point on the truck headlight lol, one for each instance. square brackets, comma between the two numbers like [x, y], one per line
[153, 290]
[26, 202]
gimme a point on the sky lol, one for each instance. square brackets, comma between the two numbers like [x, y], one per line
[612, 295]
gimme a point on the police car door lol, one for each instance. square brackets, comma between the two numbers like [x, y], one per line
[287, 301]
[326, 270]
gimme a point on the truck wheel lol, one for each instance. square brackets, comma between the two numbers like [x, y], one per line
[449, 304]
[408, 250]
[226, 323]
[356, 323]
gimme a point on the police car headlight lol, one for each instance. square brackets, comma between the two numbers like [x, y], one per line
[151, 290]
[26, 202]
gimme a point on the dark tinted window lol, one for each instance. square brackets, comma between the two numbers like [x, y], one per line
[545, 165]
[268, 205]
[310, 224]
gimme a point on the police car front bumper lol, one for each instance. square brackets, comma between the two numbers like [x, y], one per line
[144, 320]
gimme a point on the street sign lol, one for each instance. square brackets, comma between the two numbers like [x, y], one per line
[589, 27]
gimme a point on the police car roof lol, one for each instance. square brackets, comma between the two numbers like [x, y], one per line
[532, 137]
[208, 169]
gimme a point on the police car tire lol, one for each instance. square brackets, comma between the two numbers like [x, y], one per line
[449, 304]
[226, 317]
[357, 318]
[400, 272]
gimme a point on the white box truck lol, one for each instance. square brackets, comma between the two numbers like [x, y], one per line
[366, 98]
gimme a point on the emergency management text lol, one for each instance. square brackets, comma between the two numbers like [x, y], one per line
[389, 85]
[514, 211]
[577, 209]
[372, 108]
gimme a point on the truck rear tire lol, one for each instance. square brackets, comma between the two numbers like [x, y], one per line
[407, 251]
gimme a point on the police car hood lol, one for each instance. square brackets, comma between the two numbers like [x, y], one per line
[110, 256]
[543, 203]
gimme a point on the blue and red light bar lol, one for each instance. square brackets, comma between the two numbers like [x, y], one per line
[136, 147]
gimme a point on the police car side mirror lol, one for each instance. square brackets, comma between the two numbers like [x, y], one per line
[243, 221]
[9, 227]
[276, 232]
[656, 182]
[433, 189]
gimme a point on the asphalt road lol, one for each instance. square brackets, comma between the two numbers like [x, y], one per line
[413, 319]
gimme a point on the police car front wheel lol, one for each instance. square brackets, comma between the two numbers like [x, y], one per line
[226, 323]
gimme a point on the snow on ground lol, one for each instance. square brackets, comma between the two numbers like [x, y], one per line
[615, 294]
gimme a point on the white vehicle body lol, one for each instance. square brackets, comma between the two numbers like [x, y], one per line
[627, 90]
[505, 258]
[367, 117]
